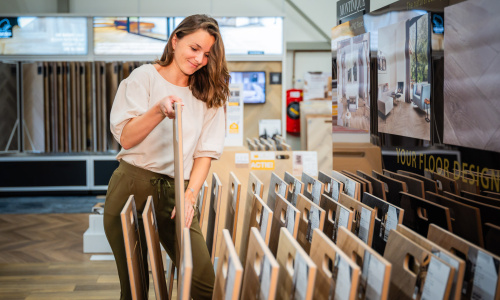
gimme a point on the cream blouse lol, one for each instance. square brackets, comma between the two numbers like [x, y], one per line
[203, 128]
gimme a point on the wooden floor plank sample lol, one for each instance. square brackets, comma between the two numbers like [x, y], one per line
[229, 273]
[65, 74]
[98, 104]
[261, 217]
[184, 276]
[179, 178]
[364, 218]
[339, 279]
[276, 186]
[417, 275]
[297, 271]
[313, 188]
[415, 186]
[260, 278]
[375, 269]
[285, 215]
[111, 88]
[54, 116]
[479, 280]
[154, 251]
[46, 107]
[213, 215]
[295, 187]
[135, 261]
[445, 184]
[336, 215]
[491, 238]
[255, 186]
[233, 203]
[202, 201]
[429, 184]
[60, 107]
[378, 187]
[480, 198]
[367, 183]
[103, 108]
[489, 213]
[351, 187]
[33, 107]
[448, 257]
[74, 107]
[420, 213]
[392, 188]
[89, 108]
[388, 217]
[465, 219]
[333, 187]
[463, 183]
[362, 184]
[311, 217]
[491, 194]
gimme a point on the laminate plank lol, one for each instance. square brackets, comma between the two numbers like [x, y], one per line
[378, 187]
[429, 184]
[229, 274]
[313, 188]
[311, 217]
[295, 187]
[393, 188]
[364, 218]
[233, 204]
[33, 107]
[415, 186]
[213, 215]
[333, 187]
[480, 198]
[491, 237]
[285, 215]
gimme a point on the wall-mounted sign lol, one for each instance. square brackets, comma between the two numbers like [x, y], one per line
[6, 25]
[351, 9]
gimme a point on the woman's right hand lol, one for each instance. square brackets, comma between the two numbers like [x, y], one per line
[166, 106]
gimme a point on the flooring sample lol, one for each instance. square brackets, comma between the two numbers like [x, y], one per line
[489, 213]
[59, 92]
[375, 269]
[65, 109]
[179, 180]
[46, 107]
[255, 186]
[261, 217]
[184, 276]
[414, 186]
[420, 213]
[213, 215]
[481, 281]
[202, 202]
[233, 203]
[112, 81]
[229, 272]
[388, 217]
[74, 107]
[154, 250]
[444, 183]
[99, 82]
[276, 186]
[366, 183]
[135, 261]
[333, 187]
[449, 257]
[89, 108]
[295, 187]
[54, 115]
[364, 218]
[465, 219]
[481, 198]
[313, 188]
[104, 108]
[311, 217]
[378, 187]
[290, 257]
[317, 128]
[425, 275]
[470, 73]
[491, 194]
[285, 215]
[33, 107]
[392, 188]
[260, 278]
[351, 187]
[9, 122]
[336, 215]
[339, 278]
[429, 184]
[491, 238]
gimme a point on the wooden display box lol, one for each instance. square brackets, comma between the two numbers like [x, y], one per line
[357, 156]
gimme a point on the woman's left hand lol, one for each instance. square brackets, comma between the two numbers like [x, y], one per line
[189, 202]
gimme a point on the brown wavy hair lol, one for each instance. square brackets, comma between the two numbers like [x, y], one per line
[210, 84]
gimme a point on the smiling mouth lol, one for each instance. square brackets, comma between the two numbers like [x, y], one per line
[193, 65]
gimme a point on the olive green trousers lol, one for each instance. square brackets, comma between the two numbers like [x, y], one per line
[130, 180]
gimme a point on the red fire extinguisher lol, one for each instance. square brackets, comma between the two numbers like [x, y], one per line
[293, 97]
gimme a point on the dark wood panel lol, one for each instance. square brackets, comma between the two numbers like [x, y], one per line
[415, 186]
[393, 188]
[429, 184]
[482, 199]
[378, 187]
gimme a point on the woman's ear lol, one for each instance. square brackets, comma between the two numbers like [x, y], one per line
[174, 41]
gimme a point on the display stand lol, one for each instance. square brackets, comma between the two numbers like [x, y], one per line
[311, 217]
[285, 215]
[352, 157]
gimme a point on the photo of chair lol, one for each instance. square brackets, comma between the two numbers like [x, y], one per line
[420, 92]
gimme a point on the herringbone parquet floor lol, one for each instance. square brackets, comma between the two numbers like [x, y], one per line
[41, 257]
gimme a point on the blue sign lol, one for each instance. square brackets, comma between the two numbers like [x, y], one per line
[6, 25]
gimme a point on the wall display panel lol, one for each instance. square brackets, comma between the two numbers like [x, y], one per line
[353, 84]
[43, 36]
[9, 122]
[254, 85]
[404, 78]
[471, 62]
[130, 35]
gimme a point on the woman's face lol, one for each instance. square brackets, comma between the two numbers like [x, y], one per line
[191, 52]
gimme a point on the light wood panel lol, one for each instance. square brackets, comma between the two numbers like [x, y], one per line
[260, 278]
[333, 187]
[363, 181]
[364, 218]
[335, 215]
[229, 273]
[318, 128]
[179, 176]
[351, 187]
[233, 203]
[295, 187]
[375, 269]
[313, 188]
[133, 250]
[297, 270]
[261, 217]
[33, 107]
[154, 251]
[202, 202]
[185, 271]
[213, 215]
[337, 276]
[285, 215]
[311, 217]
[277, 186]
[475, 279]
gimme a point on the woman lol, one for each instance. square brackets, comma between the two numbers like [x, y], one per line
[191, 71]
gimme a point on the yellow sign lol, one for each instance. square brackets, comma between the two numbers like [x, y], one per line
[335, 110]
[262, 165]
[233, 128]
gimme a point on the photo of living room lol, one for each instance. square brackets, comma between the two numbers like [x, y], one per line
[353, 83]
[404, 78]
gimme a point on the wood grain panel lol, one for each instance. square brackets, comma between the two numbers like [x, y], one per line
[185, 273]
[489, 213]
[480, 198]
[311, 217]
[33, 107]
[295, 187]
[60, 107]
[74, 107]
[414, 186]
[89, 108]
[445, 184]
[111, 88]
[364, 218]
[46, 107]
[392, 188]
[366, 183]
[313, 188]
[53, 107]
[285, 215]
[429, 184]
[277, 186]
[233, 202]
[179, 179]
[333, 187]
[378, 187]
[336, 215]
[229, 271]
[202, 202]
[362, 184]
[351, 187]
[213, 215]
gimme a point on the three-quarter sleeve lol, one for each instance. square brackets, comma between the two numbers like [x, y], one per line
[131, 100]
[211, 142]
